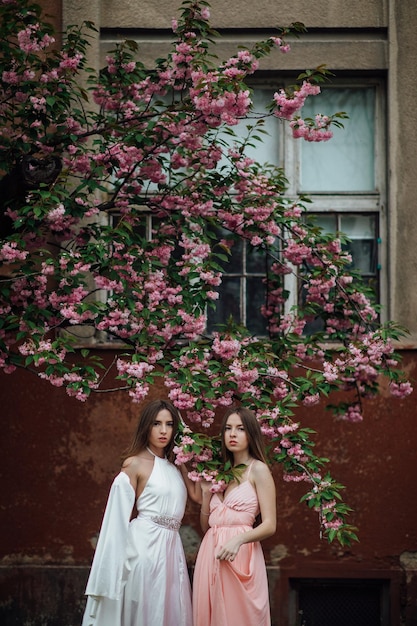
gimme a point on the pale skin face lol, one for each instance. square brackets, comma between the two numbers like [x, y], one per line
[236, 439]
[139, 467]
[161, 432]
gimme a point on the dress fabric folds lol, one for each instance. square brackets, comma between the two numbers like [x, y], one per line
[139, 574]
[231, 593]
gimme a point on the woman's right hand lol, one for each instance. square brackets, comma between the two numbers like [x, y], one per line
[205, 487]
[205, 504]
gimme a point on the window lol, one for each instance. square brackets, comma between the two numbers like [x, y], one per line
[362, 231]
[145, 228]
[242, 290]
[346, 164]
[327, 602]
[345, 179]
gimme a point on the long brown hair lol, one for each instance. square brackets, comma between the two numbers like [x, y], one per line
[145, 423]
[253, 432]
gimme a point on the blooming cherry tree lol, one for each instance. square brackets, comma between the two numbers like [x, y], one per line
[84, 167]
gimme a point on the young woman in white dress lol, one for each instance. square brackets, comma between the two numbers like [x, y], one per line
[139, 574]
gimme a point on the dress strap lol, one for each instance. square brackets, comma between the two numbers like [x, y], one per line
[249, 468]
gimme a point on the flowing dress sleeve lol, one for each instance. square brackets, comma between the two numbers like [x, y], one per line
[106, 573]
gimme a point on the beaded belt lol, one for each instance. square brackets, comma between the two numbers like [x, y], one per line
[167, 522]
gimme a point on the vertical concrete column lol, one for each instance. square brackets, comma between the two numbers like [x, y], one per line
[402, 164]
[76, 12]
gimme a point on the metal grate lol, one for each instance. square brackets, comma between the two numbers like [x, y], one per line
[341, 602]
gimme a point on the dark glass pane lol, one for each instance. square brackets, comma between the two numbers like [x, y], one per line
[156, 224]
[362, 231]
[357, 226]
[140, 225]
[235, 263]
[227, 305]
[363, 255]
[255, 298]
[328, 223]
[255, 261]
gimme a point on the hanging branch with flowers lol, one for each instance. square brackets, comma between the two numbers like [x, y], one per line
[82, 168]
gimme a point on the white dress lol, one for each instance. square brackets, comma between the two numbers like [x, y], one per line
[139, 574]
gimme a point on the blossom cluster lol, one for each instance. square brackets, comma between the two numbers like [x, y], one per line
[129, 241]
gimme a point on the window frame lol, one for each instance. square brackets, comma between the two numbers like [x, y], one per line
[336, 203]
[349, 202]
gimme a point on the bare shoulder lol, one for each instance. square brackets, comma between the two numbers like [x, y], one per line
[136, 465]
[260, 471]
[138, 468]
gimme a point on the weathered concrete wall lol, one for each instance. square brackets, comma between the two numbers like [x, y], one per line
[402, 154]
[239, 23]
[243, 14]
[59, 457]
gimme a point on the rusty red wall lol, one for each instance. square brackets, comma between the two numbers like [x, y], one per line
[59, 457]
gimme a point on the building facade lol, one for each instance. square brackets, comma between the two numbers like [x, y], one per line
[59, 456]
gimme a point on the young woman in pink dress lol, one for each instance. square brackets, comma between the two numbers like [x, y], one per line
[230, 583]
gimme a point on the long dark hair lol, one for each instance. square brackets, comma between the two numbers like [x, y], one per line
[253, 432]
[145, 423]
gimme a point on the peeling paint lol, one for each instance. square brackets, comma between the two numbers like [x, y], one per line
[278, 553]
[408, 561]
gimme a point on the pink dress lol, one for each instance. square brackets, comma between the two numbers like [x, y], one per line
[231, 593]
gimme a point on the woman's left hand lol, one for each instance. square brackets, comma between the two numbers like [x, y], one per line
[229, 551]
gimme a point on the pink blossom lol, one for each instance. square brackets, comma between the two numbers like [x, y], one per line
[39, 104]
[9, 253]
[330, 373]
[29, 40]
[181, 400]
[310, 132]
[129, 67]
[139, 392]
[289, 104]
[70, 63]
[400, 390]
[352, 414]
[295, 478]
[225, 348]
[10, 77]
[335, 524]
[218, 486]
[284, 47]
[56, 381]
[133, 369]
[194, 476]
[56, 214]
[287, 428]
[311, 399]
